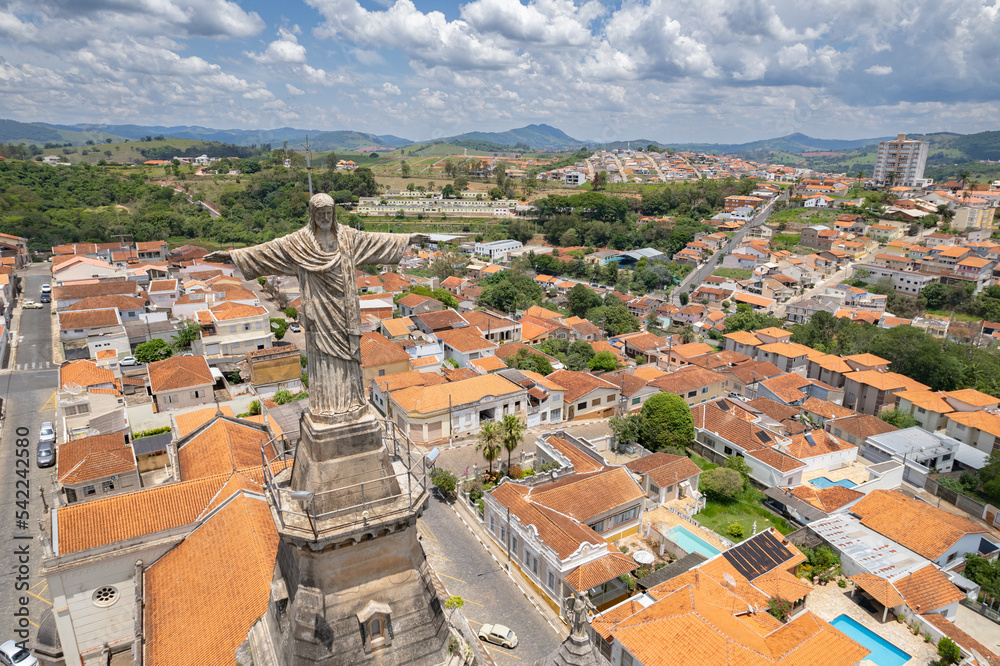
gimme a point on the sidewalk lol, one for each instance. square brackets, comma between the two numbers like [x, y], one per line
[465, 513]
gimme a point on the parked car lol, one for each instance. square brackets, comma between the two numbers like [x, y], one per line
[46, 288]
[46, 454]
[498, 635]
[13, 655]
[294, 327]
[47, 433]
[45, 298]
[129, 360]
[32, 305]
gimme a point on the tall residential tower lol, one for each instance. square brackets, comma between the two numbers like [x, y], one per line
[905, 158]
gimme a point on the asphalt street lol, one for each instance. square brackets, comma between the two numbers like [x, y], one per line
[28, 400]
[491, 597]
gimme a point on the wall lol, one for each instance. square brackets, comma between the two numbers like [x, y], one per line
[184, 398]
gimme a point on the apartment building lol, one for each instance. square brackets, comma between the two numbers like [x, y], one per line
[902, 157]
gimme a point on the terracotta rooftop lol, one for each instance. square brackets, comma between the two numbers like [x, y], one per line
[692, 349]
[600, 571]
[787, 387]
[665, 469]
[825, 408]
[179, 372]
[827, 499]
[881, 589]
[815, 443]
[187, 422]
[556, 530]
[92, 458]
[440, 320]
[430, 399]
[973, 397]
[753, 371]
[832, 362]
[927, 590]
[578, 384]
[985, 421]
[744, 338]
[121, 302]
[896, 516]
[69, 321]
[776, 410]
[929, 400]
[466, 339]
[413, 300]
[399, 380]
[228, 311]
[582, 463]
[687, 379]
[221, 571]
[964, 640]
[377, 350]
[583, 497]
[885, 381]
[85, 373]
[222, 446]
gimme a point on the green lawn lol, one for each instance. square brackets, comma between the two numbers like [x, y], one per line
[702, 463]
[958, 316]
[717, 516]
[734, 273]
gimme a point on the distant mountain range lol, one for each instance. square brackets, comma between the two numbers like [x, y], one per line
[983, 145]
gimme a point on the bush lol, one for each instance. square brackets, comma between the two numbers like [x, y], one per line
[475, 490]
[841, 583]
[234, 377]
[623, 548]
[154, 350]
[548, 467]
[780, 608]
[949, 651]
[969, 481]
[721, 483]
[254, 408]
[514, 472]
[283, 397]
[735, 530]
[291, 312]
[444, 480]
[150, 433]
[666, 423]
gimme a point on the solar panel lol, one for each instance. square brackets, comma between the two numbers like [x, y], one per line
[757, 555]
[763, 436]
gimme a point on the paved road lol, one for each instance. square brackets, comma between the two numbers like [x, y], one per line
[468, 570]
[29, 399]
[698, 275]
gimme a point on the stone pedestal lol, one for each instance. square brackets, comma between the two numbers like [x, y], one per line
[352, 584]
[576, 650]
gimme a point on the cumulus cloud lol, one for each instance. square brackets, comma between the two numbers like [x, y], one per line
[292, 90]
[285, 49]
[879, 70]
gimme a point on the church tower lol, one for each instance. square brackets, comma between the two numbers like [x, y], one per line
[351, 585]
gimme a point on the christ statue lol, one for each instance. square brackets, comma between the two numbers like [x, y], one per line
[324, 256]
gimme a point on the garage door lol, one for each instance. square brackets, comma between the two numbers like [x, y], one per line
[534, 419]
[433, 431]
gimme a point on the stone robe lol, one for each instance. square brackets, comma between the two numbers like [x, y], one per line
[331, 310]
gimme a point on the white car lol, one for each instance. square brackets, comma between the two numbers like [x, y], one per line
[294, 327]
[13, 655]
[46, 288]
[32, 305]
[129, 360]
[498, 635]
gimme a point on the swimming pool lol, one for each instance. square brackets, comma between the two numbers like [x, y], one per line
[883, 653]
[823, 482]
[691, 542]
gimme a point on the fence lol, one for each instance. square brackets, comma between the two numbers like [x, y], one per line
[988, 607]
[961, 501]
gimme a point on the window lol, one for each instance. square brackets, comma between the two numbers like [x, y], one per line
[692, 394]
[704, 390]
[946, 457]
[728, 451]
[598, 526]
[582, 406]
[654, 489]
[951, 558]
[627, 659]
[197, 394]
[610, 398]
[513, 546]
[493, 524]
[921, 410]
[552, 582]
[170, 398]
[595, 402]
[107, 486]
[232, 329]
[960, 426]
[635, 401]
[531, 561]
[105, 596]
[381, 373]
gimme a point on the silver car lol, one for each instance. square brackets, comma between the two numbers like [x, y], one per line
[47, 433]
[13, 655]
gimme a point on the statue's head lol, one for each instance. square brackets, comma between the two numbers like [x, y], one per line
[322, 216]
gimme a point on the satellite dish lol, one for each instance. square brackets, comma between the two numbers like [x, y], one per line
[554, 474]
[730, 581]
[72, 388]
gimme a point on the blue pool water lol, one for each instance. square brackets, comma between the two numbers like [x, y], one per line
[883, 653]
[823, 482]
[691, 542]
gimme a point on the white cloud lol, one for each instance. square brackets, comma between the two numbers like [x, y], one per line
[285, 49]
[292, 90]
[879, 70]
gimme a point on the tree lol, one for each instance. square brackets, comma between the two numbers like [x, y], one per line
[626, 428]
[190, 332]
[581, 299]
[489, 444]
[291, 312]
[898, 418]
[512, 433]
[278, 327]
[721, 483]
[667, 424]
[603, 361]
[684, 298]
[261, 280]
[780, 609]
[528, 360]
[738, 464]
[949, 651]
[154, 350]
[600, 180]
[405, 169]
[444, 480]
[454, 603]
[331, 160]
[745, 319]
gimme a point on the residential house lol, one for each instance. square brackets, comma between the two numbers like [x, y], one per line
[163, 293]
[871, 391]
[441, 320]
[744, 378]
[681, 355]
[180, 381]
[695, 385]
[229, 329]
[545, 397]
[151, 251]
[130, 308]
[380, 356]
[93, 467]
[437, 413]
[789, 356]
[463, 345]
[559, 532]
[85, 333]
[644, 346]
[275, 368]
[634, 390]
[921, 451]
[83, 268]
[665, 477]
[586, 396]
[494, 328]
[980, 430]
[743, 342]
[415, 304]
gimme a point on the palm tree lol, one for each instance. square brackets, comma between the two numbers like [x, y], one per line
[963, 176]
[511, 434]
[489, 442]
[861, 174]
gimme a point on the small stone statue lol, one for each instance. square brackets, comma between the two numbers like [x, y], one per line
[576, 608]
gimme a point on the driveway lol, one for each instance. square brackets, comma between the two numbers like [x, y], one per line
[468, 570]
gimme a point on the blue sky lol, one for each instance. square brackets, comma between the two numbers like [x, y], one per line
[668, 70]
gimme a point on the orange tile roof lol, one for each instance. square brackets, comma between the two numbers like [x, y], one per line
[825, 408]
[964, 640]
[582, 463]
[789, 349]
[648, 372]
[400, 380]
[179, 372]
[973, 397]
[430, 399]
[578, 384]
[665, 469]
[398, 327]
[119, 301]
[600, 571]
[827, 499]
[912, 523]
[885, 381]
[864, 426]
[692, 349]
[688, 378]
[786, 387]
[488, 364]
[867, 360]
[985, 421]
[228, 310]
[202, 596]
[377, 350]
[927, 590]
[69, 321]
[815, 443]
[465, 339]
[880, 589]
[91, 458]
[783, 585]
[744, 338]
[84, 373]
[223, 446]
[413, 300]
[541, 313]
[186, 423]
[776, 459]
[586, 496]
[558, 531]
[929, 400]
